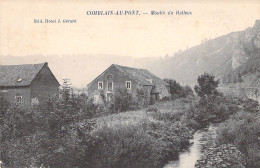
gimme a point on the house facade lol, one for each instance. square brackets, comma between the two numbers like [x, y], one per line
[28, 84]
[117, 76]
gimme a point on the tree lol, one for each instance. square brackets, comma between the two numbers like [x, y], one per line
[207, 85]
[175, 88]
[66, 91]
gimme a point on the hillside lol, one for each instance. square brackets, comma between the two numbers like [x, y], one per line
[246, 59]
[234, 58]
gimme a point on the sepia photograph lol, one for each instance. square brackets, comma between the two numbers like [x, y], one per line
[130, 84]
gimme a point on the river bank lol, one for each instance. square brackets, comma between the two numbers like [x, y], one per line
[202, 139]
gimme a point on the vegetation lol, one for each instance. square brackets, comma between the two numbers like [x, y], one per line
[48, 135]
[54, 136]
[207, 85]
[178, 91]
[127, 132]
[144, 138]
[239, 117]
[211, 109]
[243, 130]
[122, 101]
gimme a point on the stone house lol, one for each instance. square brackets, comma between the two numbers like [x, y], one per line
[117, 76]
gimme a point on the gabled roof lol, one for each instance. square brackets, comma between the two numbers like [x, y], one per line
[19, 75]
[141, 76]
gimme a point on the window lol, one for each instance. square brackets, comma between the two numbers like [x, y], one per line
[18, 99]
[128, 84]
[100, 85]
[109, 85]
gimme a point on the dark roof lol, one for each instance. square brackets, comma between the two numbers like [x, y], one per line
[141, 76]
[19, 75]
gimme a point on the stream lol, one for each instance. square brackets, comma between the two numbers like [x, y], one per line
[201, 140]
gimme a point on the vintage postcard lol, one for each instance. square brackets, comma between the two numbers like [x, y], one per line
[130, 84]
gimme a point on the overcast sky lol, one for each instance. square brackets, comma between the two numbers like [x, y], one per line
[137, 36]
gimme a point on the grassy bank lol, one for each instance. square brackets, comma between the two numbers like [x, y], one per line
[243, 131]
[54, 136]
[144, 138]
[237, 139]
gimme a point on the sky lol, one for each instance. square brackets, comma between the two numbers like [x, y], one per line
[138, 36]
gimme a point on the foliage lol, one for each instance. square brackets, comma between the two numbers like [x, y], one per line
[207, 85]
[177, 91]
[243, 130]
[66, 92]
[122, 101]
[249, 105]
[47, 135]
[144, 138]
[211, 109]
[188, 91]
[142, 97]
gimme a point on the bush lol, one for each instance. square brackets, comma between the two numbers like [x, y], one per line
[177, 91]
[126, 146]
[138, 139]
[242, 130]
[142, 98]
[211, 109]
[122, 101]
[48, 136]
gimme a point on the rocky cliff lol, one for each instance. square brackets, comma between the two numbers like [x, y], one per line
[233, 58]
[245, 70]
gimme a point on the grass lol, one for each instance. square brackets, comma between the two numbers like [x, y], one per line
[143, 138]
[242, 130]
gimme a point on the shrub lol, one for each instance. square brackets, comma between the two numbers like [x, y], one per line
[122, 101]
[177, 91]
[138, 139]
[126, 146]
[54, 137]
[211, 109]
[142, 98]
[242, 130]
